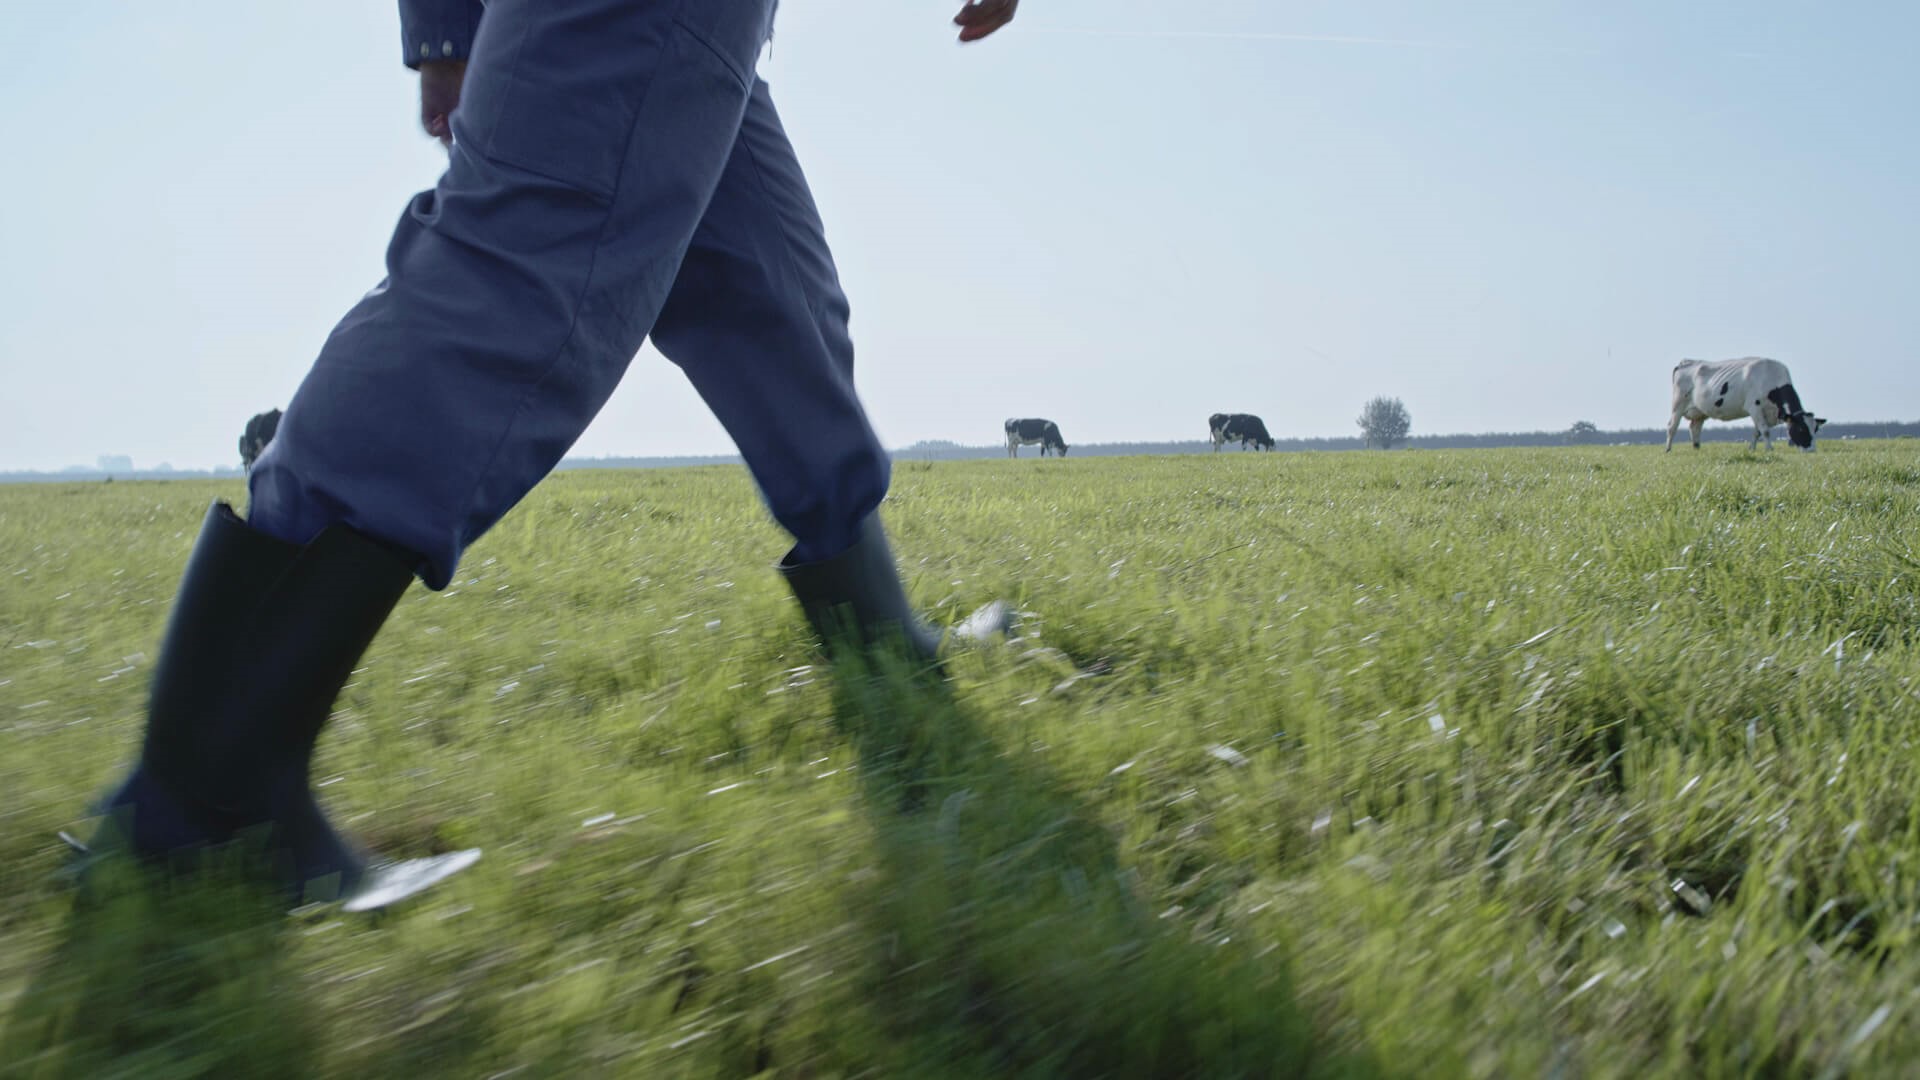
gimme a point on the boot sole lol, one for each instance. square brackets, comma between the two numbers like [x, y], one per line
[384, 884]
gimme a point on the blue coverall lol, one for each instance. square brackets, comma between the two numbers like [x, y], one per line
[617, 170]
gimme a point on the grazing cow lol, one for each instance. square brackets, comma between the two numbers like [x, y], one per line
[1730, 389]
[1046, 433]
[1243, 428]
[258, 434]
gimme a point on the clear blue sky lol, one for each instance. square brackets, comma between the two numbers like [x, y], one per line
[1121, 215]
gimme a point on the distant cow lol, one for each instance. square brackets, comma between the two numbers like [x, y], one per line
[1730, 389]
[259, 432]
[1243, 428]
[1046, 433]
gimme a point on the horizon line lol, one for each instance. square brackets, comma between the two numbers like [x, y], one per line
[1730, 428]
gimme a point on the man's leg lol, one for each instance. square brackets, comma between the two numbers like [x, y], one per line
[591, 137]
[758, 322]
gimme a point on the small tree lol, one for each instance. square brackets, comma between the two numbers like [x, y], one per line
[1385, 421]
[1582, 431]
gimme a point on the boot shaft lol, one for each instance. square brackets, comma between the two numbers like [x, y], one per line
[857, 596]
[261, 638]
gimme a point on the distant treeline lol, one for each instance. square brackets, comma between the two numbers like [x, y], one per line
[89, 472]
[951, 451]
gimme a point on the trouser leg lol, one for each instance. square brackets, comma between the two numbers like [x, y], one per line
[758, 321]
[590, 138]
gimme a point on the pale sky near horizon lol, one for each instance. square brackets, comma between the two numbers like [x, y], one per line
[1123, 215]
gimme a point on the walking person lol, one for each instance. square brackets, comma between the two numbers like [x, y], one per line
[616, 171]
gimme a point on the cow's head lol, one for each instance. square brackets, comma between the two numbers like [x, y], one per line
[1801, 428]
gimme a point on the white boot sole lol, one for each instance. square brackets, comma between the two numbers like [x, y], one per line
[384, 885]
[389, 883]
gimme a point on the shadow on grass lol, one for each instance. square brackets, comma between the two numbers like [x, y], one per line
[159, 978]
[1015, 940]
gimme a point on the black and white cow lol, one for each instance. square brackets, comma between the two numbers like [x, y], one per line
[1730, 389]
[259, 432]
[1029, 432]
[1243, 428]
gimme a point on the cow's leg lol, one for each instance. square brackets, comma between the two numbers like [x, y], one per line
[1694, 424]
[1673, 426]
[589, 138]
[758, 321]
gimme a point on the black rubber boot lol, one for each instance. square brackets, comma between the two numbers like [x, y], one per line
[262, 636]
[856, 596]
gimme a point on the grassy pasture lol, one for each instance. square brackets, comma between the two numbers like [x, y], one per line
[1577, 762]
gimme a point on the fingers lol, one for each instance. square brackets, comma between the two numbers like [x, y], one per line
[438, 126]
[981, 18]
[440, 85]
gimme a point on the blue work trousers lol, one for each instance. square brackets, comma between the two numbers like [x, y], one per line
[618, 170]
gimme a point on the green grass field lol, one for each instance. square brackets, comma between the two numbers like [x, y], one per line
[1571, 762]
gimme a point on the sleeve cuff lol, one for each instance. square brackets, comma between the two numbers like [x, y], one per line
[437, 30]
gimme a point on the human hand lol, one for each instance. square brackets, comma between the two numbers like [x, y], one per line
[440, 82]
[982, 17]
